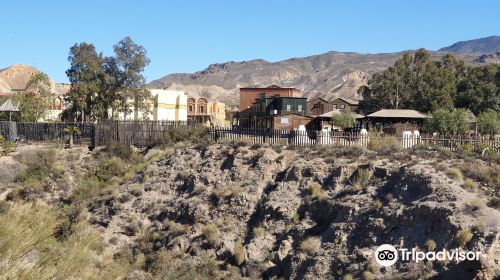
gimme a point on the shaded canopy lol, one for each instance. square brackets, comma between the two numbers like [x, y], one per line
[9, 106]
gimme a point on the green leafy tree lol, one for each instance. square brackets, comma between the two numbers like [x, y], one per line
[488, 122]
[131, 60]
[344, 120]
[448, 121]
[37, 100]
[85, 75]
[480, 89]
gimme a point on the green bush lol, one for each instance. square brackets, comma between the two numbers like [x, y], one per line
[40, 165]
[109, 167]
[119, 150]
[197, 135]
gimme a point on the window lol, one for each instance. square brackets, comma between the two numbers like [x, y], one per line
[190, 108]
[288, 107]
[334, 106]
[202, 109]
[299, 108]
[342, 106]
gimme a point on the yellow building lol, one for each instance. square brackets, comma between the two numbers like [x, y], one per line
[208, 112]
[167, 105]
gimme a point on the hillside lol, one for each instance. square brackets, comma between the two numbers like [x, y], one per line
[233, 211]
[477, 46]
[16, 77]
[488, 58]
[327, 75]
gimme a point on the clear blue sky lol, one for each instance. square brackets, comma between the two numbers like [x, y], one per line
[186, 36]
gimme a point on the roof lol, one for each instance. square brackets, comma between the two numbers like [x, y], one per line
[330, 114]
[288, 114]
[396, 113]
[470, 116]
[9, 106]
[317, 98]
[349, 101]
[270, 87]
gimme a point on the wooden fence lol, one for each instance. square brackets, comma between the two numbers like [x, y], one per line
[312, 137]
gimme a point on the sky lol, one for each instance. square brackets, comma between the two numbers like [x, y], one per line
[187, 36]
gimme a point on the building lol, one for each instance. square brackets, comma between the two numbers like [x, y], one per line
[342, 103]
[277, 112]
[318, 106]
[249, 95]
[209, 112]
[395, 121]
[324, 121]
[167, 105]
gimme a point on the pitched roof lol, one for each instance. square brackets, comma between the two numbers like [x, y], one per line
[337, 111]
[470, 116]
[396, 113]
[317, 98]
[9, 106]
[349, 101]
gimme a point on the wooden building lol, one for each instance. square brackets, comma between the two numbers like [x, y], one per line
[342, 103]
[318, 106]
[249, 95]
[267, 112]
[395, 121]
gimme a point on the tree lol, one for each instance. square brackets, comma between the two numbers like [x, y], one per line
[131, 60]
[488, 122]
[37, 100]
[85, 75]
[448, 121]
[344, 119]
[480, 89]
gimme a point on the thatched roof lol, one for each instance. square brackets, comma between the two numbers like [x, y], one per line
[9, 106]
[396, 113]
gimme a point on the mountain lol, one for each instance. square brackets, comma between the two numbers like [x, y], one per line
[478, 46]
[15, 77]
[328, 75]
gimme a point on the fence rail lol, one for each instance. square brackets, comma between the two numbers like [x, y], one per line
[312, 137]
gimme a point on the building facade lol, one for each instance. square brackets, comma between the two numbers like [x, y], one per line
[268, 112]
[344, 103]
[318, 106]
[249, 95]
[208, 112]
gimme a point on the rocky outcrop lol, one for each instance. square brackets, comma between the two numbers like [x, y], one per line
[297, 215]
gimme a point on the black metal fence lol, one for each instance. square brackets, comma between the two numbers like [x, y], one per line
[312, 137]
[140, 133]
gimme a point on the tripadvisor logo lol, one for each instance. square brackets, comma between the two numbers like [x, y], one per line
[387, 255]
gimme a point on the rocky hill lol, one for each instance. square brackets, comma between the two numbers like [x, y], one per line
[233, 211]
[328, 75]
[488, 58]
[16, 77]
[485, 45]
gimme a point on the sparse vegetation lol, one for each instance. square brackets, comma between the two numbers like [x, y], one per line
[348, 277]
[463, 237]
[455, 174]
[469, 185]
[385, 144]
[239, 253]
[310, 245]
[258, 231]
[430, 245]
[316, 192]
[367, 275]
[212, 235]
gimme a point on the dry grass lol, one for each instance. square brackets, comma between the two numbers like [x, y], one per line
[258, 231]
[463, 237]
[469, 185]
[430, 245]
[455, 174]
[310, 245]
[316, 192]
[477, 204]
[362, 178]
[367, 275]
[239, 253]
[212, 235]
[348, 277]
[30, 250]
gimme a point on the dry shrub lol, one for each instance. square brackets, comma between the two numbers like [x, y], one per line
[316, 192]
[347, 277]
[463, 237]
[469, 185]
[362, 178]
[310, 245]
[239, 253]
[385, 145]
[430, 245]
[258, 231]
[477, 204]
[367, 275]
[212, 235]
[455, 174]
